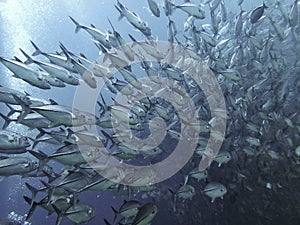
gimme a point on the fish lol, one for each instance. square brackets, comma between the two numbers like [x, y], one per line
[78, 214]
[31, 120]
[16, 166]
[222, 157]
[189, 23]
[198, 175]
[145, 214]
[70, 155]
[63, 115]
[192, 9]
[13, 141]
[149, 47]
[257, 13]
[127, 209]
[186, 192]
[293, 15]
[215, 190]
[87, 75]
[168, 7]
[122, 43]
[25, 73]
[7, 96]
[55, 71]
[133, 19]
[56, 59]
[95, 33]
[62, 204]
[252, 55]
[239, 24]
[154, 8]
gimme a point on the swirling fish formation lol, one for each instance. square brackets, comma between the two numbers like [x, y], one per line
[255, 58]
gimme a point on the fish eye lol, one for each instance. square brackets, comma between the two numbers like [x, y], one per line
[222, 190]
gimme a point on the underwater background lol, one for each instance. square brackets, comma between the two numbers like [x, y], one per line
[262, 187]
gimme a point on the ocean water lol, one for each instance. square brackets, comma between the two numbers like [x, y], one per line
[261, 189]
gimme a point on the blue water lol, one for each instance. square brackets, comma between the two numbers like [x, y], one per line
[47, 23]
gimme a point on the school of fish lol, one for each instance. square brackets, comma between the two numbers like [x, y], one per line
[253, 54]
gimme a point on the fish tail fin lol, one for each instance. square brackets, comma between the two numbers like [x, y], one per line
[105, 107]
[29, 59]
[17, 59]
[108, 138]
[74, 194]
[66, 52]
[120, 11]
[78, 26]
[37, 50]
[174, 199]
[41, 156]
[111, 24]
[6, 119]
[12, 110]
[25, 109]
[50, 190]
[32, 207]
[132, 38]
[33, 191]
[41, 134]
[115, 212]
[59, 213]
[106, 222]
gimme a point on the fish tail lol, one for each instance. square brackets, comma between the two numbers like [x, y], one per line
[41, 134]
[17, 59]
[25, 109]
[66, 52]
[12, 110]
[120, 10]
[6, 119]
[106, 222]
[132, 38]
[115, 212]
[59, 213]
[37, 50]
[29, 59]
[33, 205]
[108, 138]
[78, 26]
[111, 24]
[33, 191]
[41, 156]
[174, 199]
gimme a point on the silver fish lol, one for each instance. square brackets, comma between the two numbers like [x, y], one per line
[25, 73]
[257, 13]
